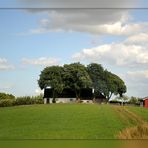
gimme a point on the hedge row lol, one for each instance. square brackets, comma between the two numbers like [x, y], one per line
[20, 101]
[6, 96]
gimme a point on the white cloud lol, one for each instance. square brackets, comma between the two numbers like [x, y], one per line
[4, 65]
[140, 76]
[137, 82]
[94, 21]
[89, 21]
[99, 21]
[140, 38]
[119, 54]
[43, 61]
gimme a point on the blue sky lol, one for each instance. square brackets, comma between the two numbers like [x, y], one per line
[31, 40]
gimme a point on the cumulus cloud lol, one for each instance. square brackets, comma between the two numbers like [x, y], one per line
[98, 21]
[138, 76]
[4, 65]
[43, 61]
[119, 54]
[94, 21]
[137, 82]
[140, 38]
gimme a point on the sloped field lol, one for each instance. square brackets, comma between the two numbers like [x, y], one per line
[65, 121]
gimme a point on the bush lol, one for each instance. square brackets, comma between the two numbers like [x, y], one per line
[6, 96]
[6, 102]
[38, 101]
[26, 100]
[134, 100]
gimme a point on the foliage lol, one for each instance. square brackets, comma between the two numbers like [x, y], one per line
[76, 77]
[52, 76]
[96, 73]
[6, 96]
[134, 100]
[105, 82]
[7, 102]
[26, 100]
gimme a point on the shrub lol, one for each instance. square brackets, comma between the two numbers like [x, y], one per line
[134, 100]
[38, 101]
[26, 100]
[6, 96]
[6, 102]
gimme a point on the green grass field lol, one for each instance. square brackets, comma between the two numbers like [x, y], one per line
[143, 112]
[63, 121]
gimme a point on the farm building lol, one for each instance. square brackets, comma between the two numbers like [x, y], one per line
[144, 102]
[68, 95]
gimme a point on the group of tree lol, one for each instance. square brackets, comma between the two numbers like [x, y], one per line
[76, 76]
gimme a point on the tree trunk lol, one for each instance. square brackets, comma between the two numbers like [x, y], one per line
[78, 96]
[53, 100]
[121, 95]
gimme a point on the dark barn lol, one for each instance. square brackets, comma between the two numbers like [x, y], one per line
[86, 95]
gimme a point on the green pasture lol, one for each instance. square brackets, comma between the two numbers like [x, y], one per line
[61, 121]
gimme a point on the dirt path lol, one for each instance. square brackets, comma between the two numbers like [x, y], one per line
[139, 127]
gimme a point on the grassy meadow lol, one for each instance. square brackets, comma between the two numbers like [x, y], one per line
[66, 121]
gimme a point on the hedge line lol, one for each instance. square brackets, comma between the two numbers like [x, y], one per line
[21, 101]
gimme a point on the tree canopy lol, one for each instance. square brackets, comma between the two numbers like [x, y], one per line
[52, 76]
[105, 82]
[77, 76]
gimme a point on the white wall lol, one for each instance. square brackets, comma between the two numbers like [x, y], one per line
[65, 100]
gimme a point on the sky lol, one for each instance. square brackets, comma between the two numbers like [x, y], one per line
[113, 33]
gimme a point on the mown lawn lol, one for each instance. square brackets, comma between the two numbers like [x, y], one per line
[60, 121]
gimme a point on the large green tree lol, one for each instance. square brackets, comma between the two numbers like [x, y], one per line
[121, 87]
[96, 72]
[113, 85]
[52, 76]
[105, 82]
[76, 77]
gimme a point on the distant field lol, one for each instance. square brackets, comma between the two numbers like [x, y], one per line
[63, 121]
